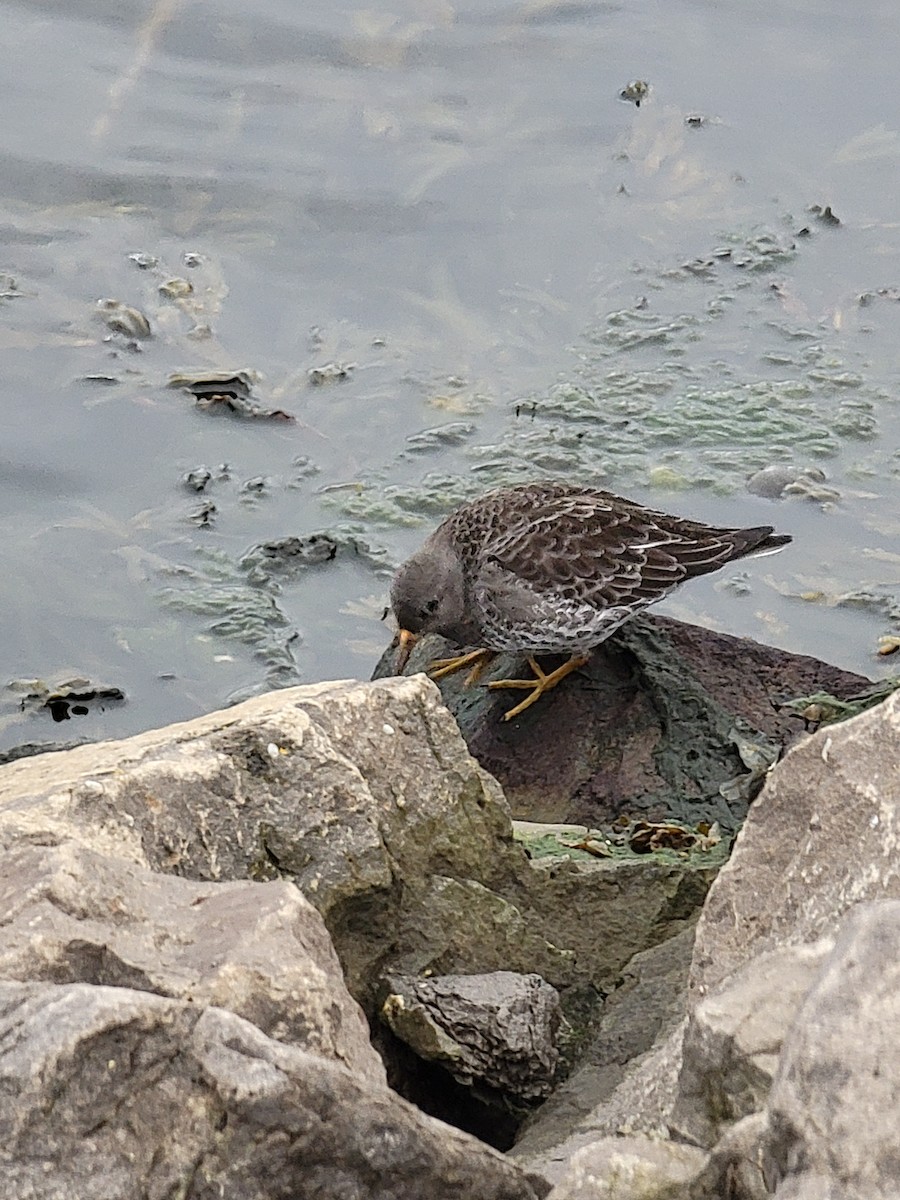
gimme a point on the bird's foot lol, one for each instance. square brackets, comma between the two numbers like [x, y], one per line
[476, 659]
[541, 683]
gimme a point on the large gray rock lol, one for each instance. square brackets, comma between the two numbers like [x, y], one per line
[833, 1109]
[820, 839]
[823, 835]
[171, 863]
[270, 788]
[267, 786]
[365, 796]
[167, 866]
[630, 1168]
[826, 1129]
[598, 1098]
[774, 998]
[733, 1041]
[115, 1094]
[70, 915]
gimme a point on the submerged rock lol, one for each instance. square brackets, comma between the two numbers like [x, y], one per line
[122, 318]
[64, 698]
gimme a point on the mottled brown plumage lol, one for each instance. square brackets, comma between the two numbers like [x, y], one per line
[553, 568]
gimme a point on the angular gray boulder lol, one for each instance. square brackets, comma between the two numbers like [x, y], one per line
[71, 915]
[730, 1051]
[365, 797]
[821, 837]
[833, 1108]
[150, 885]
[116, 1094]
[784, 1075]
[498, 1031]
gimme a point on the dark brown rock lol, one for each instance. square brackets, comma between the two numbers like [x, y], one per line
[660, 722]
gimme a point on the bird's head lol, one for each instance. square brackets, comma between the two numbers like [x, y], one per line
[428, 595]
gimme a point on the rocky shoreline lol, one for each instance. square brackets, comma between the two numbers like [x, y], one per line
[274, 951]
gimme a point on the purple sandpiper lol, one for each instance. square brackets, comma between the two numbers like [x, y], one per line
[551, 568]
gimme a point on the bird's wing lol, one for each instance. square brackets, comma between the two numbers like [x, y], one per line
[588, 550]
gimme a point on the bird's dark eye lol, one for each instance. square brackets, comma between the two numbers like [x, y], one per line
[431, 606]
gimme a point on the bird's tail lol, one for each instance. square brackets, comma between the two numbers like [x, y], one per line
[762, 539]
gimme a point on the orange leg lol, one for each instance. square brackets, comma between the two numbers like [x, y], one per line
[541, 682]
[476, 659]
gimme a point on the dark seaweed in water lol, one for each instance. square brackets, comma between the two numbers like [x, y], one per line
[290, 556]
[227, 392]
[71, 698]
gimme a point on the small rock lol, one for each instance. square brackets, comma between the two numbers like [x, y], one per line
[197, 479]
[329, 372]
[176, 288]
[123, 319]
[498, 1029]
[629, 1168]
[635, 91]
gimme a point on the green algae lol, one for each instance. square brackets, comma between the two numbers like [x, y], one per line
[585, 846]
[821, 708]
[644, 403]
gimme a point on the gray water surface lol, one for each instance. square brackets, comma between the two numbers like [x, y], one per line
[526, 273]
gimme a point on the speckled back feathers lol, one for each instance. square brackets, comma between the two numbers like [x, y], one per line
[549, 567]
